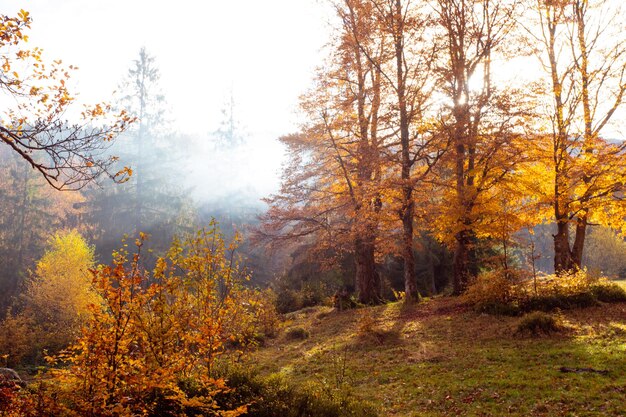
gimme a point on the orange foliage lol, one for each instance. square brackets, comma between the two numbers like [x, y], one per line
[154, 341]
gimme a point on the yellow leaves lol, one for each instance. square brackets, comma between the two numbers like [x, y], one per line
[123, 175]
[59, 296]
[241, 410]
[64, 98]
[154, 331]
[11, 28]
[23, 15]
[97, 111]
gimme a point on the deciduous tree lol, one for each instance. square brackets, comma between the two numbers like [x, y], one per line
[332, 189]
[408, 80]
[153, 343]
[68, 156]
[57, 300]
[479, 118]
[584, 55]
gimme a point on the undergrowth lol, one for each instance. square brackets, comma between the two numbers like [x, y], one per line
[296, 333]
[275, 396]
[538, 322]
[446, 360]
[501, 293]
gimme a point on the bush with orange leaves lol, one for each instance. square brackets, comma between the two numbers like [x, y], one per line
[151, 346]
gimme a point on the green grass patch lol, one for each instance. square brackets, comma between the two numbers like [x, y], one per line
[447, 360]
[274, 395]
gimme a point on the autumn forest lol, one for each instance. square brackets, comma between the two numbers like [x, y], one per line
[447, 233]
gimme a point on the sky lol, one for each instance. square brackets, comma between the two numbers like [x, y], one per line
[263, 52]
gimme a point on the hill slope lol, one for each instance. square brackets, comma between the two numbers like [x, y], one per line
[439, 359]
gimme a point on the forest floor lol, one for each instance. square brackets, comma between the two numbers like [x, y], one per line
[439, 358]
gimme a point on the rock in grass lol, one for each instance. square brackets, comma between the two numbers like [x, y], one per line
[583, 370]
[10, 378]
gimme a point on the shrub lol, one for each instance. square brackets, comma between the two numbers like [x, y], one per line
[274, 396]
[266, 317]
[369, 332]
[489, 291]
[500, 309]
[609, 292]
[566, 283]
[342, 300]
[538, 322]
[153, 344]
[297, 333]
[56, 303]
[36, 401]
[313, 295]
[559, 301]
[366, 325]
[494, 294]
[288, 300]
[16, 338]
[310, 295]
[262, 320]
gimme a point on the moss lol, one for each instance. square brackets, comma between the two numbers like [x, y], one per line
[296, 333]
[538, 323]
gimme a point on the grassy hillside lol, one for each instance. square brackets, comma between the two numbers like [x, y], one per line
[439, 359]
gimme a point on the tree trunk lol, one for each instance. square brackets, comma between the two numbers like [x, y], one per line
[562, 253]
[410, 281]
[465, 261]
[460, 266]
[581, 221]
[579, 241]
[21, 231]
[367, 278]
[461, 262]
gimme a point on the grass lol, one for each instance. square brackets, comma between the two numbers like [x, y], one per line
[439, 359]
